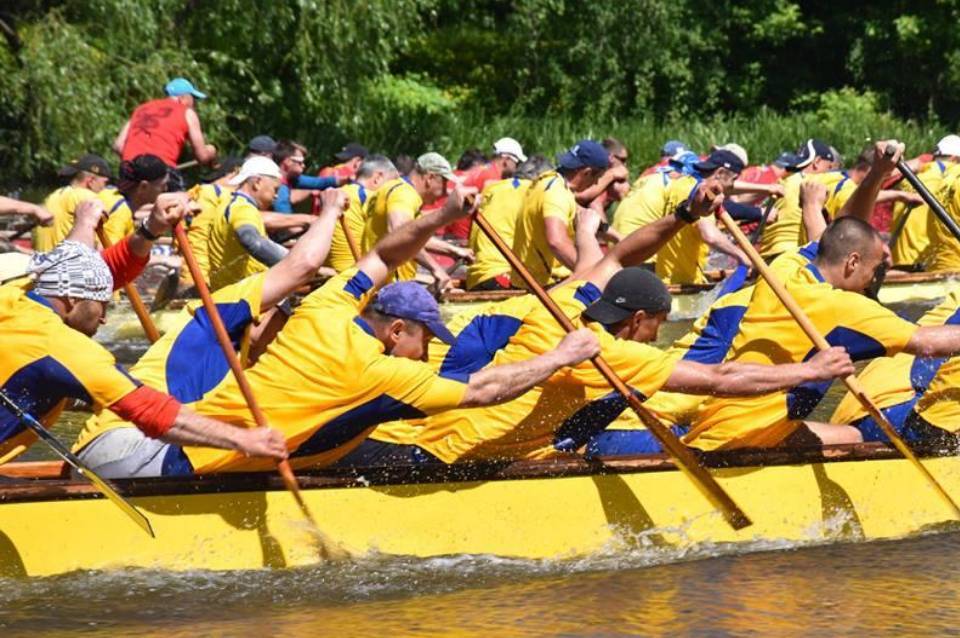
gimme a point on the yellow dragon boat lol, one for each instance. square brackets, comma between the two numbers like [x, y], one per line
[557, 509]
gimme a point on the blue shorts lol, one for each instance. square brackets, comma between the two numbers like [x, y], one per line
[372, 453]
[628, 442]
[897, 414]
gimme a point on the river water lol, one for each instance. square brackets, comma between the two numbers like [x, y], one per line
[907, 587]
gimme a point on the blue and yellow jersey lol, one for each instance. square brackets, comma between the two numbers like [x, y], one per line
[61, 203]
[398, 196]
[548, 196]
[944, 248]
[210, 198]
[187, 362]
[229, 260]
[787, 232]
[46, 362]
[325, 383]
[501, 205]
[683, 258]
[769, 335]
[904, 377]
[644, 204]
[918, 229]
[340, 257]
[119, 222]
[554, 418]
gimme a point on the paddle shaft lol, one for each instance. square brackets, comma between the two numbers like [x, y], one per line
[149, 328]
[283, 467]
[681, 455]
[351, 240]
[74, 461]
[758, 232]
[930, 200]
[187, 164]
[852, 383]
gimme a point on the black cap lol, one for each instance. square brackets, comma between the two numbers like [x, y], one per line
[628, 291]
[143, 168]
[223, 167]
[352, 150]
[262, 144]
[90, 163]
[720, 158]
[811, 150]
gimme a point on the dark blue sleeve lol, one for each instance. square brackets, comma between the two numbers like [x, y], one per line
[315, 183]
[743, 212]
[281, 203]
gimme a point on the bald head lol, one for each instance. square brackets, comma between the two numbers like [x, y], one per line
[845, 236]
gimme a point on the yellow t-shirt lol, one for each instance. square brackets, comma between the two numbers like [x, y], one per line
[340, 257]
[398, 196]
[548, 196]
[552, 419]
[61, 203]
[913, 240]
[229, 260]
[787, 232]
[944, 249]
[501, 205]
[119, 222]
[325, 383]
[187, 362]
[769, 335]
[46, 362]
[643, 205]
[683, 258]
[210, 197]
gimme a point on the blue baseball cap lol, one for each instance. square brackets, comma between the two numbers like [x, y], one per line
[410, 300]
[585, 153]
[786, 159]
[685, 162]
[811, 150]
[720, 158]
[182, 86]
[672, 147]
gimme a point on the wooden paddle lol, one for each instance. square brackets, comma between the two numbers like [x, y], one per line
[852, 383]
[758, 231]
[74, 461]
[149, 328]
[283, 467]
[681, 455]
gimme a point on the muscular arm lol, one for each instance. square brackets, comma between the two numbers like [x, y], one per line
[10, 206]
[263, 249]
[747, 379]
[861, 203]
[559, 242]
[205, 153]
[283, 221]
[634, 249]
[121, 138]
[499, 384]
[935, 341]
[713, 237]
[190, 428]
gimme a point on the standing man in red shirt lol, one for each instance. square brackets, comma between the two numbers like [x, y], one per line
[160, 127]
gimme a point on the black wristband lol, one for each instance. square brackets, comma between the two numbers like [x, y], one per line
[683, 214]
[144, 232]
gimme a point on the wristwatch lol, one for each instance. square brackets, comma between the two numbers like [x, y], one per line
[144, 232]
[683, 214]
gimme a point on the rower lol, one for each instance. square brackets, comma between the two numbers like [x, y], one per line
[623, 305]
[89, 174]
[262, 145]
[544, 232]
[597, 195]
[398, 201]
[670, 149]
[501, 204]
[942, 253]
[50, 357]
[160, 127]
[349, 159]
[188, 364]
[350, 358]
[140, 182]
[294, 188]
[375, 171]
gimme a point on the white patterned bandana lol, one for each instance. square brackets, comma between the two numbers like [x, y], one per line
[72, 270]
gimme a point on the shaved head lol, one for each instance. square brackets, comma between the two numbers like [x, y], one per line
[844, 236]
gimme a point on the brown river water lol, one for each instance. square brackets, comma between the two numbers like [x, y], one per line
[898, 588]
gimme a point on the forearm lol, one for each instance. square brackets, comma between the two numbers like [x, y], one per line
[498, 384]
[813, 220]
[190, 428]
[284, 221]
[437, 245]
[935, 341]
[564, 250]
[734, 379]
[261, 248]
[405, 241]
[861, 203]
[425, 259]
[315, 183]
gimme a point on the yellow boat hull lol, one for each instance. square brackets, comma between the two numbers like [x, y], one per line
[531, 510]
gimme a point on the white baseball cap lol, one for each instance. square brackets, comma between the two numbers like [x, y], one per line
[509, 146]
[256, 166]
[737, 150]
[950, 145]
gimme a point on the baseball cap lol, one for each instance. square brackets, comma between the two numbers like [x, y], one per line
[410, 300]
[684, 161]
[72, 269]
[584, 153]
[256, 166]
[183, 86]
[351, 150]
[737, 150]
[672, 147]
[437, 164]
[511, 147]
[262, 144]
[143, 168]
[720, 158]
[786, 159]
[812, 149]
[628, 291]
[90, 163]
[950, 145]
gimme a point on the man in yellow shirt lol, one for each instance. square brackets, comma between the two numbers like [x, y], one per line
[373, 172]
[545, 229]
[88, 175]
[351, 356]
[398, 201]
[624, 308]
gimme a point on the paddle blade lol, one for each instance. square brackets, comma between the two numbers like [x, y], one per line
[107, 490]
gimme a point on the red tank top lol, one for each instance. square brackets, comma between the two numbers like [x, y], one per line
[158, 127]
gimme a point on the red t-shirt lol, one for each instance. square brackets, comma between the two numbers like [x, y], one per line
[158, 127]
[765, 174]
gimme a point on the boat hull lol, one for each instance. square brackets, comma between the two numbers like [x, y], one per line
[538, 510]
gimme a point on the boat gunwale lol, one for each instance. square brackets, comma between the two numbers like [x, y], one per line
[17, 487]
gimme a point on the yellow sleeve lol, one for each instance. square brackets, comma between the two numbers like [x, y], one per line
[837, 200]
[644, 368]
[90, 366]
[119, 224]
[242, 215]
[559, 202]
[351, 288]
[403, 200]
[249, 290]
[415, 384]
[868, 324]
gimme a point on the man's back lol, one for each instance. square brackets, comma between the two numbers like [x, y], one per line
[158, 127]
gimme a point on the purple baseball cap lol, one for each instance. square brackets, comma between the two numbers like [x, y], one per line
[410, 300]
